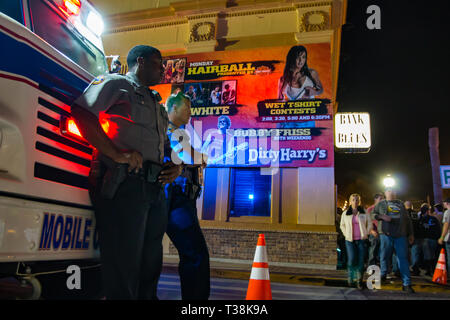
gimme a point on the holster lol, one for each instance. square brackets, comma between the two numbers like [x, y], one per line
[192, 191]
[115, 174]
[150, 171]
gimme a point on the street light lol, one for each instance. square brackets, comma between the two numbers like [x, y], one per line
[389, 182]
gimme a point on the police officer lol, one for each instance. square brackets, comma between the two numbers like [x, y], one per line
[127, 173]
[184, 228]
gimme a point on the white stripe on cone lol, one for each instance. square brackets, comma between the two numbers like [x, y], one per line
[260, 254]
[440, 266]
[259, 274]
[441, 262]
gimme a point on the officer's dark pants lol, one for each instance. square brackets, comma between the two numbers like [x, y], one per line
[185, 233]
[130, 228]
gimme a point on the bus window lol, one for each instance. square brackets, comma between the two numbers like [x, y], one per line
[56, 31]
[12, 9]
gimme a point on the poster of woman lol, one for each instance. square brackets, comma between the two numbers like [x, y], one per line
[298, 80]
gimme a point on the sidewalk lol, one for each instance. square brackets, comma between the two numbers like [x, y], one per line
[304, 276]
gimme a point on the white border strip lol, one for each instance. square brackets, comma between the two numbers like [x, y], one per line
[240, 263]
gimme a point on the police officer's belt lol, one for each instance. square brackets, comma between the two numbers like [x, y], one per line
[149, 171]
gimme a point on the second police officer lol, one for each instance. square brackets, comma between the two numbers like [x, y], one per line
[183, 228]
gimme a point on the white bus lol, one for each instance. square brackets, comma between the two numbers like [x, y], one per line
[50, 51]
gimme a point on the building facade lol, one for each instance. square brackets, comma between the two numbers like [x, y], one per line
[299, 218]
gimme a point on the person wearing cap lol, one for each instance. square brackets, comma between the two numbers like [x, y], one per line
[183, 228]
[438, 211]
[127, 176]
[395, 229]
[445, 235]
[431, 230]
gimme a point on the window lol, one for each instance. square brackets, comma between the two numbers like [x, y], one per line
[54, 29]
[13, 9]
[250, 193]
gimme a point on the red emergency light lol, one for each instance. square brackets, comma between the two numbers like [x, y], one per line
[69, 128]
[72, 128]
[73, 6]
[69, 7]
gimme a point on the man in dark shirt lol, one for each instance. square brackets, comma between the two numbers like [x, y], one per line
[431, 232]
[395, 229]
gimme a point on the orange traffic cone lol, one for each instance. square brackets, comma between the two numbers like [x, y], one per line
[259, 285]
[440, 274]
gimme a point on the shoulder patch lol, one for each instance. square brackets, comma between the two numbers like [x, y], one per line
[98, 80]
[157, 95]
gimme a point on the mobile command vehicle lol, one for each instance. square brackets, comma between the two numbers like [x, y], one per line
[51, 50]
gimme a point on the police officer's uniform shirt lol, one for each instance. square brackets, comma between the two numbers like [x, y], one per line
[137, 119]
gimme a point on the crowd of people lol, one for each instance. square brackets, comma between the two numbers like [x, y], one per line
[392, 235]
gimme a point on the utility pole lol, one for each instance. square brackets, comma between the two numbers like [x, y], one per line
[433, 143]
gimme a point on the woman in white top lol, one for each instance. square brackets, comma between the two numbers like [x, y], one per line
[298, 81]
[355, 226]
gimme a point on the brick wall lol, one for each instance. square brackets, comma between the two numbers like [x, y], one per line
[289, 247]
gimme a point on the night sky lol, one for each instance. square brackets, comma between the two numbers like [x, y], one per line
[401, 76]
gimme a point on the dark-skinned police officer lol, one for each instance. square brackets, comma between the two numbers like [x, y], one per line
[184, 228]
[127, 177]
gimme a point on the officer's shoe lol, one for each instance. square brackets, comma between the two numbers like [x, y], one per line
[384, 280]
[408, 289]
